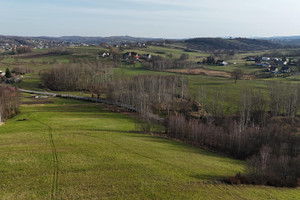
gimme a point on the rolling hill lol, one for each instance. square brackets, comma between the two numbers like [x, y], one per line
[232, 44]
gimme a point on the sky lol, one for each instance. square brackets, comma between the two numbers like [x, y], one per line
[150, 18]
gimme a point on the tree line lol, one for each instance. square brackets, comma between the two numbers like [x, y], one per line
[159, 63]
[148, 93]
[9, 102]
[272, 151]
[145, 93]
[21, 49]
[93, 77]
[262, 132]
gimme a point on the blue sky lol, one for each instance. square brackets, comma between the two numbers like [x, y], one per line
[150, 18]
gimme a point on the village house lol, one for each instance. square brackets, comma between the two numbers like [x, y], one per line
[131, 55]
[266, 64]
[250, 58]
[285, 69]
[281, 62]
[265, 58]
[275, 59]
[222, 63]
[105, 55]
[273, 69]
[258, 63]
[146, 56]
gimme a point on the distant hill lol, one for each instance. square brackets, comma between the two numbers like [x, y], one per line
[245, 44]
[285, 40]
[78, 39]
[232, 44]
[100, 40]
[8, 42]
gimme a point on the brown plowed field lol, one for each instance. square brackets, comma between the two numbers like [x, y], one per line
[206, 72]
[201, 71]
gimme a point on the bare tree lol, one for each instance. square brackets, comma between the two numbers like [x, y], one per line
[9, 102]
[237, 74]
[93, 77]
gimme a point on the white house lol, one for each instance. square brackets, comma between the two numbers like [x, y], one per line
[265, 58]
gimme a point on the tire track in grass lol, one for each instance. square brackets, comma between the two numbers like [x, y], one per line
[54, 160]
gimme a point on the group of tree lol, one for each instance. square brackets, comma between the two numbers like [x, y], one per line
[115, 55]
[272, 151]
[9, 101]
[8, 75]
[184, 56]
[209, 61]
[21, 49]
[21, 70]
[148, 93]
[262, 132]
[159, 63]
[237, 74]
[235, 44]
[92, 77]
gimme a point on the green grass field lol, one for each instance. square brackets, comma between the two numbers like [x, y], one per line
[77, 150]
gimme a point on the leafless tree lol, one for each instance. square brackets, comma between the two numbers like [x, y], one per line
[9, 101]
[93, 77]
[237, 74]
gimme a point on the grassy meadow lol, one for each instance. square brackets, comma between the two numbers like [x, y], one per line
[71, 149]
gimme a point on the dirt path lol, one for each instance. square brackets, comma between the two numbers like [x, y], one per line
[54, 160]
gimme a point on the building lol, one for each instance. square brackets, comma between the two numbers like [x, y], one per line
[222, 63]
[265, 59]
[273, 69]
[285, 69]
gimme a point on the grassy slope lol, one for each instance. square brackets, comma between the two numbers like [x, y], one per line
[98, 156]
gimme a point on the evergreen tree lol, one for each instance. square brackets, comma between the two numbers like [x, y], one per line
[7, 73]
